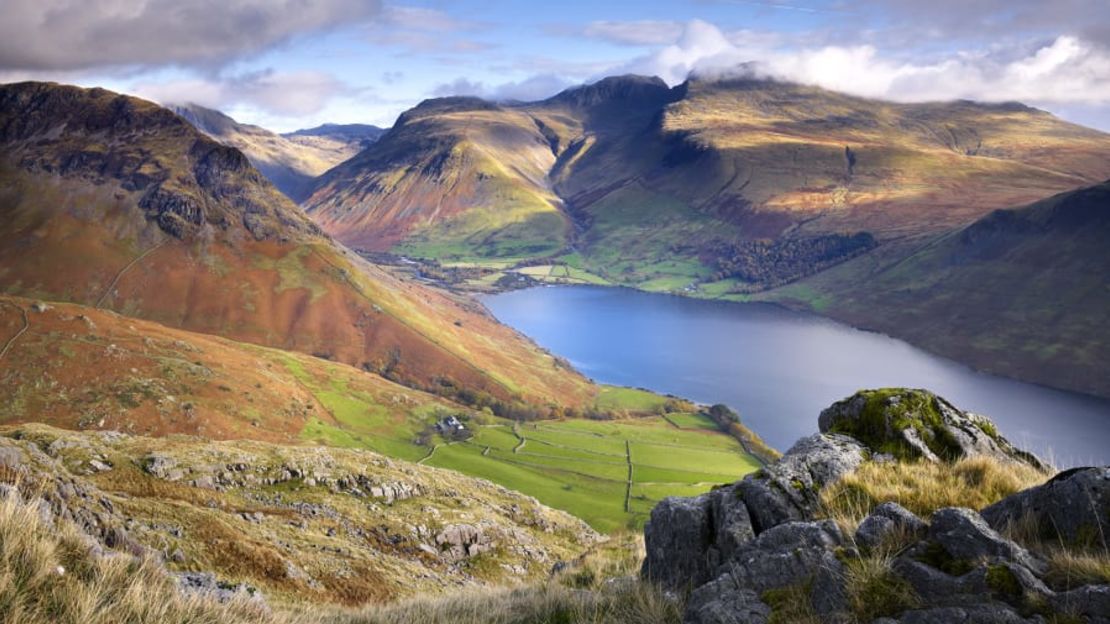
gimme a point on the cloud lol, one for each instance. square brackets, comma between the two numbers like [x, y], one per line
[639, 33]
[530, 89]
[420, 30]
[282, 94]
[952, 18]
[1064, 69]
[75, 34]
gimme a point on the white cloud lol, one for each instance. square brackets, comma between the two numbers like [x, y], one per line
[282, 94]
[1064, 70]
[530, 89]
[644, 32]
[74, 34]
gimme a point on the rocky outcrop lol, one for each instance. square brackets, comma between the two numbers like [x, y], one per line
[688, 539]
[747, 550]
[1073, 507]
[911, 424]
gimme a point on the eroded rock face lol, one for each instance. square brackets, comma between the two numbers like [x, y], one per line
[1074, 506]
[687, 539]
[912, 424]
[745, 548]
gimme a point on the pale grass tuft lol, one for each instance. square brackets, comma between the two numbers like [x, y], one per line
[923, 486]
[631, 602]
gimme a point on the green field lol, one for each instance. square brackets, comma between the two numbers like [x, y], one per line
[577, 465]
[582, 466]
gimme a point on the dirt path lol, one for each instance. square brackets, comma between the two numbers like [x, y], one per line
[125, 269]
[523, 440]
[431, 452]
[23, 330]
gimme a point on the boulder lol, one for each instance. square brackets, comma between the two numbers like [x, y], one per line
[789, 555]
[677, 539]
[886, 520]
[912, 424]
[1073, 506]
[788, 489]
[965, 536]
[721, 602]
[1092, 601]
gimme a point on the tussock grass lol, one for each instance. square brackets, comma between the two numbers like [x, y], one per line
[48, 575]
[621, 602]
[875, 591]
[1069, 565]
[923, 487]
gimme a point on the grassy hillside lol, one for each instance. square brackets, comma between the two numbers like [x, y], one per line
[456, 179]
[133, 210]
[1021, 292]
[84, 369]
[305, 524]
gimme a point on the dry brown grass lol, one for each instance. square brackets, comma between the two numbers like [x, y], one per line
[49, 576]
[629, 602]
[1069, 565]
[923, 487]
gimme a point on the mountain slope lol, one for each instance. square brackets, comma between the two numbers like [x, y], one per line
[115, 202]
[308, 526]
[672, 186]
[454, 176]
[289, 161]
[1022, 292]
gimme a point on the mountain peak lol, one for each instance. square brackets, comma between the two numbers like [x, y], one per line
[628, 86]
[187, 183]
[449, 104]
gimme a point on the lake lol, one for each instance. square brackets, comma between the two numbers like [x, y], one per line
[779, 368]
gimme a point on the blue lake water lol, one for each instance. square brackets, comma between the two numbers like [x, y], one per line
[779, 368]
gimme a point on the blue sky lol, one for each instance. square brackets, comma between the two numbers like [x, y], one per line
[286, 64]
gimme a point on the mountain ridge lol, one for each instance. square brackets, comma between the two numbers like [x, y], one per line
[156, 224]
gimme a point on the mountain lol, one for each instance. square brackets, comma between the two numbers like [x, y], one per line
[454, 176]
[289, 161]
[117, 203]
[1022, 292]
[652, 186]
[339, 141]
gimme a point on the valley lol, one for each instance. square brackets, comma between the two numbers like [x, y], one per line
[679, 312]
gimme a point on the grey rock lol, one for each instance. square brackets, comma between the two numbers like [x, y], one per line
[788, 489]
[207, 585]
[677, 539]
[965, 535]
[885, 520]
[788, 555]
[1092, 601]
[11, 456]
[993, 613]
[732, 523]
[1073, 506]
[158, 465]
[918, 423]
[722, 602]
